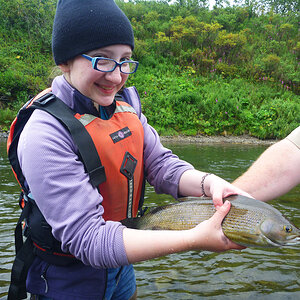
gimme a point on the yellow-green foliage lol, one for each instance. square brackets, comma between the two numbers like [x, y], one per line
[230, 40]
[271, 62]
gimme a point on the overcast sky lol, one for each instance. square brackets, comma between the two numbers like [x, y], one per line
[212, 2]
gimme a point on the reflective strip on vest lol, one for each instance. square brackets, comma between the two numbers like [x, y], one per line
[87, 118]
[123, 108]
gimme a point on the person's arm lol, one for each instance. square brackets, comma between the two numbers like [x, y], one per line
[194, 183]
[171, 175]
[274, 173]
[147, 244]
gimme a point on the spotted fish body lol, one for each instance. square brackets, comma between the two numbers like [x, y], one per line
[249, 222]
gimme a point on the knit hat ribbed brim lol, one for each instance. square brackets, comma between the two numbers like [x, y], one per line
[84, 25]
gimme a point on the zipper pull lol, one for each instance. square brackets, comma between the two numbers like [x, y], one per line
[46, 283]
[43, 276]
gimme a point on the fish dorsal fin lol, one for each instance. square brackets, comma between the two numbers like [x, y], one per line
[190, 198]
[238, 199]
[251, 202]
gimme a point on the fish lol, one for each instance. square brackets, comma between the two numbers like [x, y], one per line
[249, 223]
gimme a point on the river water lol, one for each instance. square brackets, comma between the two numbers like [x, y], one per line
[252, 273]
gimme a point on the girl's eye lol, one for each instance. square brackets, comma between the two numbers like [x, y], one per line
[125, 58]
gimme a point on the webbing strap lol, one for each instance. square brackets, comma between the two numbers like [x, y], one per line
[23, 260]
[18, 229]
[89, 155]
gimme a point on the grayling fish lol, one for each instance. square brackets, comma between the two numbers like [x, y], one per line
[249, 222]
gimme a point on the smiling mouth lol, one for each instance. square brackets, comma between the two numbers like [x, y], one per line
[105, 89]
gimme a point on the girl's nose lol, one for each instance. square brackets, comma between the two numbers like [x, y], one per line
[115, 76]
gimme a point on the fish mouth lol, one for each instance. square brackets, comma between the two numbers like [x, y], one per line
[271, 242]
[294, 241]
[291, 242]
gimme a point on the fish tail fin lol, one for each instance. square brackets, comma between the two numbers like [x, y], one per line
[130, 222]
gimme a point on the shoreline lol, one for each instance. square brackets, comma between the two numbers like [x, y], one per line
[199, 139]
[229, 139]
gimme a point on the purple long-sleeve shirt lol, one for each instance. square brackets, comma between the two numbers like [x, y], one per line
[61, 187]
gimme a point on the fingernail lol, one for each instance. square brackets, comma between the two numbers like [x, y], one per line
[226, 203]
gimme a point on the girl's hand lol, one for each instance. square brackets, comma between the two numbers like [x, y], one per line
[208, 235]
[219, 188]
[194, 183]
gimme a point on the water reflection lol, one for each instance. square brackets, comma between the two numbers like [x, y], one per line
[250, 274]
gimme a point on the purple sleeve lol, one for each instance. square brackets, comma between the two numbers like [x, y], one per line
[62, 191]
[163, 168]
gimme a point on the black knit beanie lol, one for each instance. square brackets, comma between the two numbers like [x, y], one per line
[84, 25]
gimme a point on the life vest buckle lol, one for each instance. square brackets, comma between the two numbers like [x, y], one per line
[45, 99]
[128, 165]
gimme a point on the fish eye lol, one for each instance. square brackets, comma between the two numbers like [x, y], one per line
[287, 228]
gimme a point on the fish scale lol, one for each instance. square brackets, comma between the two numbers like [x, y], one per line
[249, 222]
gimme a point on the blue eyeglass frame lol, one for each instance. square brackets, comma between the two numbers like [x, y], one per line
[94, 61]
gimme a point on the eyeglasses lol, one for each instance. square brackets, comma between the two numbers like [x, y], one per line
[104, 64]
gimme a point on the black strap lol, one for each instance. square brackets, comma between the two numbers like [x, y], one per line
[58, 109]
[22, 118]
[18, 230]
[24, 257]
[88, 152]
[127, 169]
[23, 261]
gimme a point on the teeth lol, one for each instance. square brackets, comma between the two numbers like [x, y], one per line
[106, 88]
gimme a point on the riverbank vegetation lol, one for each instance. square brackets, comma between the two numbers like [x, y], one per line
[229, 70]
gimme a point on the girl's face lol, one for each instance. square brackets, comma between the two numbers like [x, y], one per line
[99, 86]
